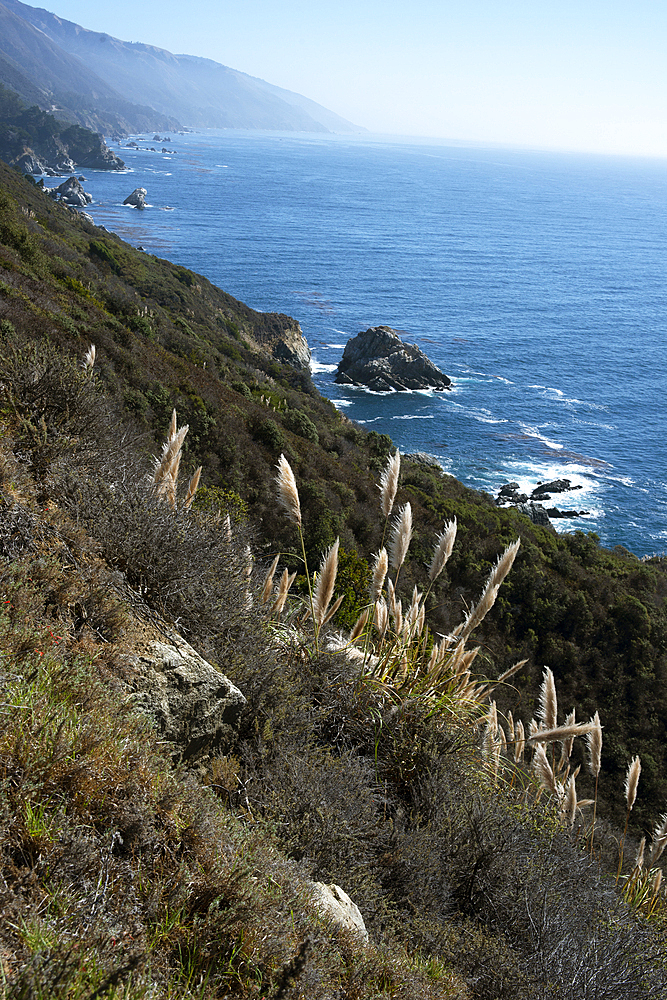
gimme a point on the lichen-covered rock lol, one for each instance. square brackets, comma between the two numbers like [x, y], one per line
[379, 360]
[194, 705]
[334, 903]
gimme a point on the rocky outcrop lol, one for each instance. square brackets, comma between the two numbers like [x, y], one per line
[137, 199]
[283, 337]
[532, 506]
[71, 193]
[194, 705]
[334, 903]
[379, 360]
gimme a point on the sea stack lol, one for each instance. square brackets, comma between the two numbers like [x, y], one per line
[379, 360]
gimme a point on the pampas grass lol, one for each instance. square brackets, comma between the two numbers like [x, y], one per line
[594, 740]
[389, 483]
[288, 494]
[399, 541]
[324, 587]
[444, 545]
[631, 782]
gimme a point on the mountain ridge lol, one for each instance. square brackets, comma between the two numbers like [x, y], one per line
[197, 91]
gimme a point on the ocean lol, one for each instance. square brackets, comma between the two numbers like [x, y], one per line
[536, 281]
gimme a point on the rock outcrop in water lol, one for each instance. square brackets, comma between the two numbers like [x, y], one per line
[379, 360]
[137, 199]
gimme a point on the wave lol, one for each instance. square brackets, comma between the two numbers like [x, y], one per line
[414, 416]
[342, 402]
[316, 366]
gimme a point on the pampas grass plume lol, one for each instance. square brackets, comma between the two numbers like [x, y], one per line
[594, 740]
[288, 494]
[443, 550]
[631, 780]
[401, 534]
[380, 567]
[548, 701]
[326, 581]
[389, 483]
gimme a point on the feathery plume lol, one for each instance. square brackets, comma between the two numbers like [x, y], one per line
[594, 741]
[519, 742]
[631, 779]
[561, 732]
[659, 840]
[286, 581]
[381, 616]
[543, 770]
[268, 580]
[333, 609]
[510, 727]
[193, 486]
[401, 533]
[326, 581]
[570, 802]
[88, 362]
[639, 860]
[568, 741]
[548, 702]
[490, 592]
[389, 483]
[380, 567]
[227, 528]
[359, 625]
[288, 494]
[657, 882]
[443, 549]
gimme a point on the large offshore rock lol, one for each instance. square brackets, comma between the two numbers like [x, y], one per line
[194, 705]
[137, 199]
[379, 360]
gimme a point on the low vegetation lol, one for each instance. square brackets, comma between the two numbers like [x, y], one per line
[386, 744]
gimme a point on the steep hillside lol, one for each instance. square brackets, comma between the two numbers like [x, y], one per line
[167, 338]
[41, 72]
[200, 92]
[145, 849]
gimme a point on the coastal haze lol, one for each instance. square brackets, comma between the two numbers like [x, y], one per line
[572, 76]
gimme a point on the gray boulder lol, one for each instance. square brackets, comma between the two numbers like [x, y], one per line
[334, 903]
[194, 705]
[535, 512]
[137, 199]
[379, 360]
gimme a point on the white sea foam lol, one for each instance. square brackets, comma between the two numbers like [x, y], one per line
[534, 432]
[316, 366]
[342, 402]
[334, 347]
[414, 416]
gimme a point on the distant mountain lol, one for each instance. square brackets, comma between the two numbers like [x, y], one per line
[197, 91]
[42, 73]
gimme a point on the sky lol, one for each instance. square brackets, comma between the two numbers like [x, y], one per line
[548, 74]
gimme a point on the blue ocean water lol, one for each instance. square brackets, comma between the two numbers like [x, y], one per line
[536, 281]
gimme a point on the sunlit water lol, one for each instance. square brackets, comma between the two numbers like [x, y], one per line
[535, 280]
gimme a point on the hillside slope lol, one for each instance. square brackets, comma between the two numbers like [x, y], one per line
[134, 863]
[41, 72]
[199, 92]
[167, 337]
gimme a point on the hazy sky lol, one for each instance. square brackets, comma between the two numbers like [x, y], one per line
[569, 74]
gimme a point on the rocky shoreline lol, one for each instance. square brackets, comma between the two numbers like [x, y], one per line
[532, 505]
